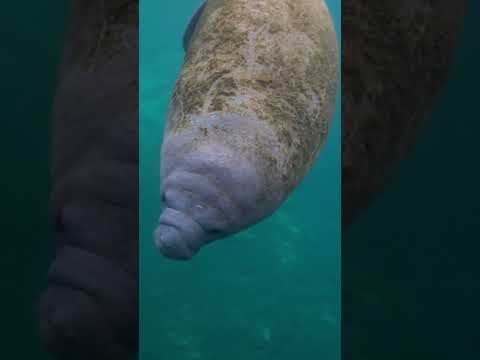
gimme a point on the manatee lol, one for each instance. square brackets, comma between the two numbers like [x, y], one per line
[395, 60]
[248, 116]
[89, 310]
[396, 57]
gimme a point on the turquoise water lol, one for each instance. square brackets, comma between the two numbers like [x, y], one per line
[271, 292]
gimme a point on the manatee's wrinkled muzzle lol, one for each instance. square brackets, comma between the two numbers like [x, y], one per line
[89, 309]
[178, 236]
[192, 216]
[206, 190]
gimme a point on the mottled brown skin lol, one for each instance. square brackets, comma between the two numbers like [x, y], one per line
[90, 307]
[276, 60]
[395, 58]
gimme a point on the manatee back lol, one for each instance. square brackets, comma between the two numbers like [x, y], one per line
[273, 60]
[394, 63]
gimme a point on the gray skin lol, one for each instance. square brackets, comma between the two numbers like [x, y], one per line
[249, 114]
[90, 307]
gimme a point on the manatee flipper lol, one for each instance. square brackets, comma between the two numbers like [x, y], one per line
[187, 36]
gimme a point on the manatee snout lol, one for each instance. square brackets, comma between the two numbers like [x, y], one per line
[72, 324]
[196, 212]
[205, 194]
[89, 309]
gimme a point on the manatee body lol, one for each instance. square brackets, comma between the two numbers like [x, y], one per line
[394, 61]
[250, 111]
[89, 310]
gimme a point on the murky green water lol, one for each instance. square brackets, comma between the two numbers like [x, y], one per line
[271, 292]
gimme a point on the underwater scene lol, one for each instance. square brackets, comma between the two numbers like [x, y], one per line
[269, 292]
